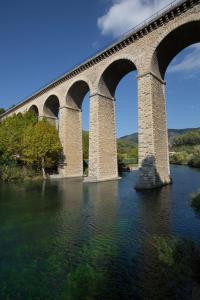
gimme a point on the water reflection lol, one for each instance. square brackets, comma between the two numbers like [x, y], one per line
[155, 218]
[89, 278]
[103, 198]
[155, 210]
[65, 239]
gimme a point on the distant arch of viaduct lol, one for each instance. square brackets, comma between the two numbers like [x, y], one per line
[149, 50]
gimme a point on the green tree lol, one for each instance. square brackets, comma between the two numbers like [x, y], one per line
[195, 158]
[179, 158]
[11, 134]
[41, 146]
[85, 144]
[2, 110]
[188, 138]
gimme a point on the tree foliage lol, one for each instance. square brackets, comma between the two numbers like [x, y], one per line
[125, 149]
[11, 135]
[41, 145]
[188, 138]
[27, 142]
[194, 160]
[187, 149]
[195, 203]
[85, 144]
[179, 158]
[2, 110]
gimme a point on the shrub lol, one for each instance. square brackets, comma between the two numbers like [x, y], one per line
[188, 138]
[195, 203]
[179, 158]
[195, 159]
[15, 172]
[11, 173]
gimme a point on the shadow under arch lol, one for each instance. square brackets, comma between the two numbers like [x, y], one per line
[76, 94]
[51, 109]
[34, 109]
[174, 42]
[113, 74]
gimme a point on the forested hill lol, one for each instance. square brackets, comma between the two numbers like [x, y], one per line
[132, 139]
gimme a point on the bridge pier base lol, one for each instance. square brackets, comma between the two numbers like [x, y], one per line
[153, 136]
[102, 146]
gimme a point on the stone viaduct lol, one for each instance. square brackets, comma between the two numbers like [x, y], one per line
[148, 49]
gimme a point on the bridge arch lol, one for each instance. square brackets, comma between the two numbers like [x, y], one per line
[103, 157]
[71, 128]
[112, 75]
[51, 109]
[154, 160]
[76, 94]
[173, 42]
[34, 109]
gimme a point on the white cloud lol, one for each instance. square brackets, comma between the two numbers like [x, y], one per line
[190, 62]
[125, 14]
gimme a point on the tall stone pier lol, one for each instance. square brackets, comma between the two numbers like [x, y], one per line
[102, 146]
[147, 49]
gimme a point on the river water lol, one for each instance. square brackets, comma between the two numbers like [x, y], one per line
[65, 239]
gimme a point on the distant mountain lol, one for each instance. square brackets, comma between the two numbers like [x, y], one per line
[132, 139]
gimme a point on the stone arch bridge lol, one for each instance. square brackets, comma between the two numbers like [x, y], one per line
[149, 49]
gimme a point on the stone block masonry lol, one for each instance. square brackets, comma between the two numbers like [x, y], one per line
[148, 49]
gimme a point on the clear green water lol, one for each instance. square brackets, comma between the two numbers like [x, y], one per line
[68, 240]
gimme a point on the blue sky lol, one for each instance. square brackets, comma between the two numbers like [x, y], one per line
[40, 40]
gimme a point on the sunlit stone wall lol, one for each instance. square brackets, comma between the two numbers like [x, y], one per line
[150, 50]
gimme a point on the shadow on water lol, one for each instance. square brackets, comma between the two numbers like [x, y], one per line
[65, 239]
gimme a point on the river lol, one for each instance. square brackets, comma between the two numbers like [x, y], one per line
[64, 239]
